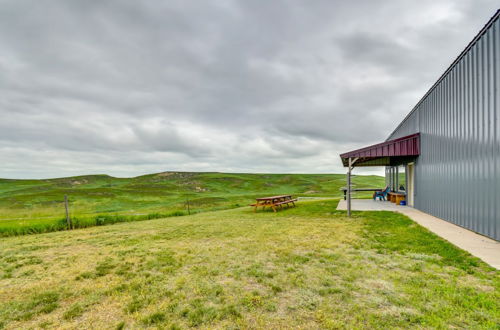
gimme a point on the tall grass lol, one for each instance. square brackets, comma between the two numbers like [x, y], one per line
[99, 220]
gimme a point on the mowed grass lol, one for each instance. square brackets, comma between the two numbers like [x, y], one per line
[308, 267]
[35, 206]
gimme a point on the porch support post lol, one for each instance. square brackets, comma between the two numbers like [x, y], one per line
[351, 166]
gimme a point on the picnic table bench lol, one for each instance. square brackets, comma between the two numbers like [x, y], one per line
[396, 197]
[359, 189]
[274, 202]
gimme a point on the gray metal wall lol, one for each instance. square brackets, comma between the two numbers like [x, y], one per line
[457, 175]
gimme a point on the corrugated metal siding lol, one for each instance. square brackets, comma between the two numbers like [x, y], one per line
[457, 175]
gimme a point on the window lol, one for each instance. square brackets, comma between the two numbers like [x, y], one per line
[394, 186]
[388, 176]
[395, 178]
[401, 178]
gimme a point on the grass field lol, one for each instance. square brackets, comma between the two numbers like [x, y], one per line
[33, 206]
[307, 267]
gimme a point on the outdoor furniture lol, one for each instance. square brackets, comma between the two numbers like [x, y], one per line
[381, 194]
[396, 197]
[274, 202]
[358, 189]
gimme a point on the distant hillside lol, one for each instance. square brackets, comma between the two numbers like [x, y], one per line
[26, 201]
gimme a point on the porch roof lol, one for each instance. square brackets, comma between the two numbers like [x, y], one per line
[386, 153]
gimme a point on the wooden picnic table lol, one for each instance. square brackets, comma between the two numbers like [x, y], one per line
[274, 202]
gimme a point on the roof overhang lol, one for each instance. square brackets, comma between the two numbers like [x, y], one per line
[392, 152]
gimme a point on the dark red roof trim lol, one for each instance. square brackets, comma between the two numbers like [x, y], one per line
[402, 147]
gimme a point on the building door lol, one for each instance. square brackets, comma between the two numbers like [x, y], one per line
[411, 184]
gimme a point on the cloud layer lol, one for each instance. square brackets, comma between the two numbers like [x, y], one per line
[131, 87]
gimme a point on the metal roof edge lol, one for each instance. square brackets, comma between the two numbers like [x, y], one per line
[344, 155]
[452, 65]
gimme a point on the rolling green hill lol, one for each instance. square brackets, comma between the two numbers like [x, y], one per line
[32, 205]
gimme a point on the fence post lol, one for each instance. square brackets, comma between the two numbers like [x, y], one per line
[66, 206]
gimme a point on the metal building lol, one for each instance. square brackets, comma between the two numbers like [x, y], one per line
[454, 172]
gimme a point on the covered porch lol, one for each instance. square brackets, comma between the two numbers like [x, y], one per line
[398, 156]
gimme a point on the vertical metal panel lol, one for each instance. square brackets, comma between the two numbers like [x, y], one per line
[495, 46]
[457, 175]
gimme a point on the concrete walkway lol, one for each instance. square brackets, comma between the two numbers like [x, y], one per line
[480, 246]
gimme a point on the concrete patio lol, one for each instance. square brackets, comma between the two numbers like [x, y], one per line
[480, 246]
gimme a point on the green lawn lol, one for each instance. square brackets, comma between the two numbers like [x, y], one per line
[33, 206]
[305, 267]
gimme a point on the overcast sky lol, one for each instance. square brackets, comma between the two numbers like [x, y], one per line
[133, 87]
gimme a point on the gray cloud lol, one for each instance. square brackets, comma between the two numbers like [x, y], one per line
[131, 87]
